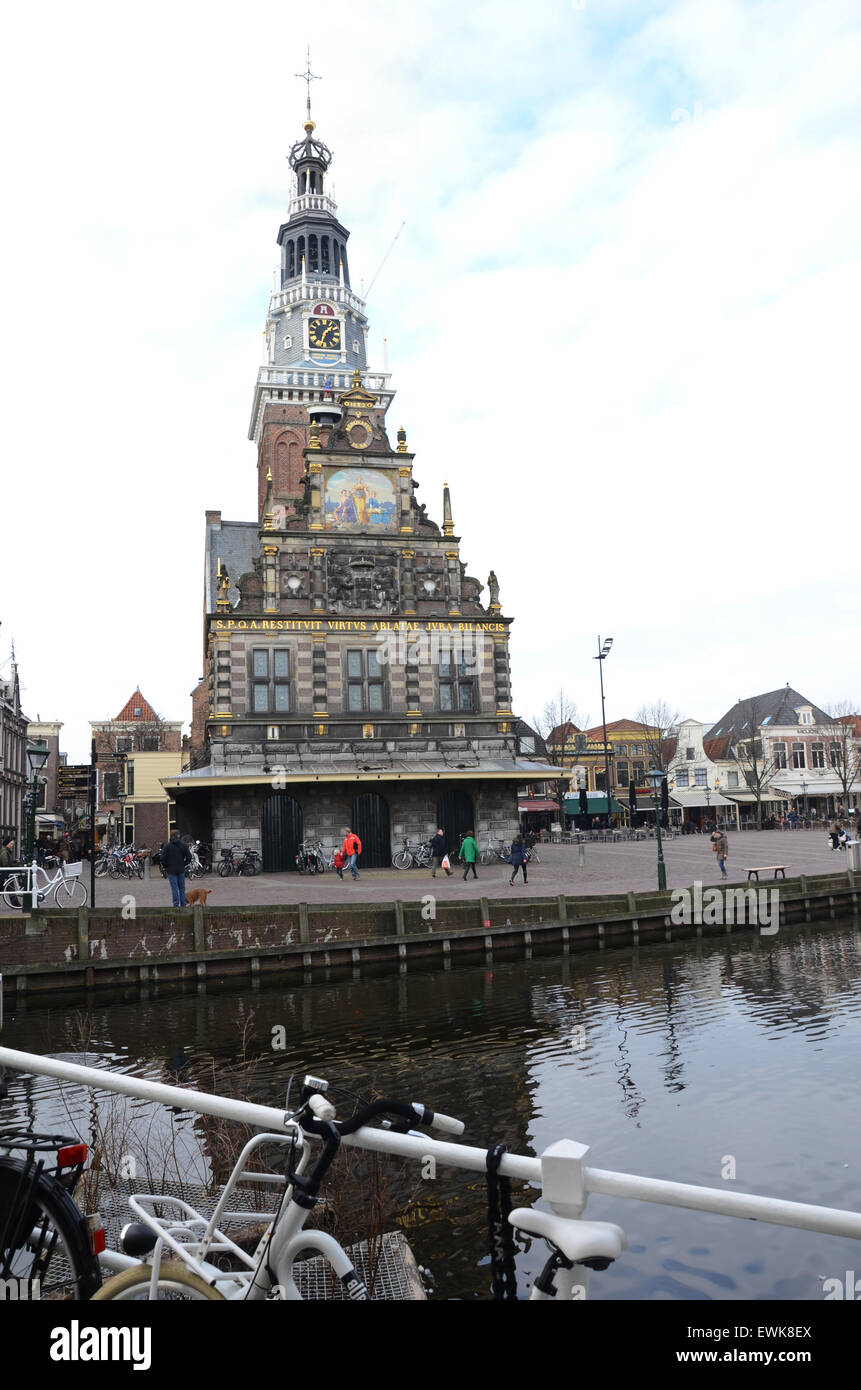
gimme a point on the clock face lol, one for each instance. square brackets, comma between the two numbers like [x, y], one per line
[324, 333]
[359, 432]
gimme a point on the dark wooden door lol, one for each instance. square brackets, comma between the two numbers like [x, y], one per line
[456, 815]
[369, 818]
[281, 831]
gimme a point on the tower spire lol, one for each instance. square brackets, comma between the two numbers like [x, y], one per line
[308, 77]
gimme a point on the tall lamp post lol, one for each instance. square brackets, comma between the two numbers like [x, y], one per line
[655, 777]
[803, 796]
[603, 653]
[37, 756]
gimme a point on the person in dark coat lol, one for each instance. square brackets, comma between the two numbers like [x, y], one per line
[438, 854]
[517, 858]
[174, 857]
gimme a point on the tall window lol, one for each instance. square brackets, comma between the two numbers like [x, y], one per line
[456, 688]
[732, 779]
[683, 777]
[270, 680]
[700, 777]
[835, 754]
[365, 689]
[125, 745]
[817, 755]
[639, 773]
[110, 786]
[779, 750]
[636, 748]
[623, 775]
[798, 755]
[689, 754]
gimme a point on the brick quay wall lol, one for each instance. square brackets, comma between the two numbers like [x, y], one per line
[87, 949]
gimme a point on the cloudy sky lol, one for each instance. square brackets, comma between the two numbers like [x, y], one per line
[622, 319]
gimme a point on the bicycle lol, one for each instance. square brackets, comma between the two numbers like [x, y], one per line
[268, 1272]
[249, 863]
[46, 1244]
[411, 856]
[67, 886]
[491, 853]
[306, 859]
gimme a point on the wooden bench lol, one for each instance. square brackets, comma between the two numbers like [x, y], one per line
[765, 869]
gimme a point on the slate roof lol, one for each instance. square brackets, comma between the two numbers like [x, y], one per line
[236, 543]
[774, 707]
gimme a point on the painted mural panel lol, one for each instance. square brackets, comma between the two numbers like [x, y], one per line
[358, 499]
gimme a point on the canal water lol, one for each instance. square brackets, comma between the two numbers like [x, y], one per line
[691, 1062]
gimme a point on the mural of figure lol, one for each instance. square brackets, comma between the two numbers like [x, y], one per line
[360, 498]
[345, 512]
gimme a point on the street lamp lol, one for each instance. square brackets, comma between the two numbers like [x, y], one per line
[803, 795]
[655, 777]
[37, 756]
[603, 653]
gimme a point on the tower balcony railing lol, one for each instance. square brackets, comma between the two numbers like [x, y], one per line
[311, 202]
[307, 380]
[314, 288]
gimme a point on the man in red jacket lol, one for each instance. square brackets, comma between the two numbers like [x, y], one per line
[352, 848]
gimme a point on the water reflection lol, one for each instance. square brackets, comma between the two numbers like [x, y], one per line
[665, 1060]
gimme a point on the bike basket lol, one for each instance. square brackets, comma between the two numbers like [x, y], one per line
[73, 870]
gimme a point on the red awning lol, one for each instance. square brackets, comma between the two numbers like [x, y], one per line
[537, 803]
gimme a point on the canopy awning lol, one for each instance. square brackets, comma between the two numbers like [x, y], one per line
[696, 796]
[597, 805]
[537, 803]
[822, 786]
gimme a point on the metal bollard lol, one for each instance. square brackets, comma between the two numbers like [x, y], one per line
[581, 855]
[147, 868]
[854, 848]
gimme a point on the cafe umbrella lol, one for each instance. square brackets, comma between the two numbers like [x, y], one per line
[584, 803]
[632, 802]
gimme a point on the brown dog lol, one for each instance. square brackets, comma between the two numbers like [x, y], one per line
[197, 895]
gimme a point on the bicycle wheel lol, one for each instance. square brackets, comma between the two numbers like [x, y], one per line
[225, 868]
[254, 867]
[114, 868]
[71, 892]
[488, 856]
[403, 860]
[14, 891]
[175, 1283]
[43, 1235]
[101, 867]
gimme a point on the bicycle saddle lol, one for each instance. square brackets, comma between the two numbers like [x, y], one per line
[578, 1240]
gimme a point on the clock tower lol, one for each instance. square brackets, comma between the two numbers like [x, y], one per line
[315, 337]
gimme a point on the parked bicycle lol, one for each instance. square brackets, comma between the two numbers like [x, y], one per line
[45, 1242]
[235, 860]
[412, 856]
[491, 854]
[311, 858]
[66, 886]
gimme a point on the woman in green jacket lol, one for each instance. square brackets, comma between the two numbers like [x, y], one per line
[469, 854]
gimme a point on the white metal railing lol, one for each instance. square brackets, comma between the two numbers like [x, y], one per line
[561, 1171]
[312, 202]
[316, 380]
[312, 288]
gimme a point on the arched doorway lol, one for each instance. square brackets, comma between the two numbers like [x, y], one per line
[456, 814]
[369, 817]
[281, 832]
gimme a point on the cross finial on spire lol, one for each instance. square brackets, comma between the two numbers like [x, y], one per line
[308, 77]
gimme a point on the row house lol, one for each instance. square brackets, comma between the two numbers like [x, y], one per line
[134, 751]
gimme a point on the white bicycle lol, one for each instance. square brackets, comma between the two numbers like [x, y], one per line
[66, 884]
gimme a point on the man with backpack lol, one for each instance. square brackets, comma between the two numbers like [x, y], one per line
[352, 848]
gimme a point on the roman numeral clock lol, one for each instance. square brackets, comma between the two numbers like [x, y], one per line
[325, 336]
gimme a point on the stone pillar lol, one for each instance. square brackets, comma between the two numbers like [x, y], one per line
[501, 675]
[406, 495]
[318, 585]
[408, 582]
[270, 579]
[318, 674]
[315, 516]
[452, 565]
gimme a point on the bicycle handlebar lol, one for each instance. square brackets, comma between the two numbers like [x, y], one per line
[413, 1112]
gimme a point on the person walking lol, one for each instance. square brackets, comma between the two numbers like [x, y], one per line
[720, 845]
[174, 856]
[517, 858]
[7, 853]
[438, 854]
[469, 854]
[351, 848]
[834, 832]
[339, 861]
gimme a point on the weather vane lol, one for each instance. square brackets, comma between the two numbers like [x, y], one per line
[308, 77]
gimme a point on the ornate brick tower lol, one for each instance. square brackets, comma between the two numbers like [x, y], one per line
[353, 675]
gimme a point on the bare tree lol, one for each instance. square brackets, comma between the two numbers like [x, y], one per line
[842, 752]
[559, 724]
[749, 753]
[658, 721]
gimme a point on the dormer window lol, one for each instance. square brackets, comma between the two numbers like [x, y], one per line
[805, 716]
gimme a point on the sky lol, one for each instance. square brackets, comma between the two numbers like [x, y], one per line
[621, 318]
